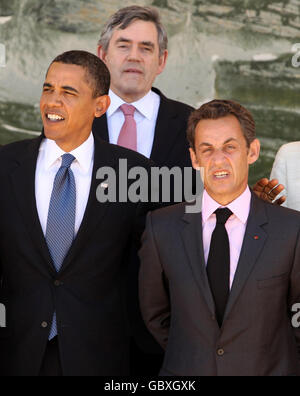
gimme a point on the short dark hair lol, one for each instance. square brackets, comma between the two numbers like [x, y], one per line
[221, 108]
[97, 74]
[126, 16]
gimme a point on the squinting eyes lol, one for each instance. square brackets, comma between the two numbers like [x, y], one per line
[227, 148]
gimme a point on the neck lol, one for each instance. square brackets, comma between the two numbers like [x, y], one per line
[223, 199]
[128, 97]
[67, 147]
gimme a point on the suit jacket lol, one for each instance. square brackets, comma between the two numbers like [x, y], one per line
[257, 337]
[87, 294]
[171, 149]
[286, 170]
[170, 146]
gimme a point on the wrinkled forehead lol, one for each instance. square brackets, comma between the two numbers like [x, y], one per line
[62, 74]
[137, 31]
[219, 131]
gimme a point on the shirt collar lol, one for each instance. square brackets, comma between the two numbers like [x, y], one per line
[240, 207]
[84, 154]
[145, 105]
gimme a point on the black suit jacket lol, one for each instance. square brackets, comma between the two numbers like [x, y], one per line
[257, 337]
[170, 149]
[170, 146]
[89, 298]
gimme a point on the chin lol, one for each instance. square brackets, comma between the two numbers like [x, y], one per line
[51, 134]
[220, 190]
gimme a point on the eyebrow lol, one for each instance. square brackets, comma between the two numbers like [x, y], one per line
[65, 87]
[125, 40]
[211, 145]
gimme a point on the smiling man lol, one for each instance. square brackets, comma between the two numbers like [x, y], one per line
[217, 289]
[62, 253]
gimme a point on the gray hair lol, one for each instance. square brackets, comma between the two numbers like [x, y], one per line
[126, 16]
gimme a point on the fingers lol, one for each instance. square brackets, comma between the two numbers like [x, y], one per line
[280, 201]
[260, 185]
[268, 190]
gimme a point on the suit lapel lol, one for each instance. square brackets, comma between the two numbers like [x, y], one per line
[94, 210]
[23, 182]
[193, 242]
[166, 130]
[254, 241]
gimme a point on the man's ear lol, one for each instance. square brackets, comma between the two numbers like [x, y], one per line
[162, 62]
[254, 151]
[102, 104]
[101, 53]
[194, 160]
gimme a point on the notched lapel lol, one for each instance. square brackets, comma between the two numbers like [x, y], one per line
[95, 210]
[193, 243]
[23, 182]
[166, 131]
[253, 244]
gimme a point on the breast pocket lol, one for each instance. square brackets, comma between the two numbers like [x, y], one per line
[274, 281]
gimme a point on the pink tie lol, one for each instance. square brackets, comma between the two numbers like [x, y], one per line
[128, 134]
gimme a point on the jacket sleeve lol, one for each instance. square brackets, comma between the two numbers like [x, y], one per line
[153, 290]
[294, 295]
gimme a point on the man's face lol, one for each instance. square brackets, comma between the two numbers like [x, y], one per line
[68, 107]
[221, 149]
[133, 60]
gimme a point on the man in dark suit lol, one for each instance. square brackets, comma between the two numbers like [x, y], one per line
[62, 252]
[134, 45]
[218, 288]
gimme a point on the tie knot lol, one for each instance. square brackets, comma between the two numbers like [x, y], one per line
[223, 215]
[67, 160]
[128, 110]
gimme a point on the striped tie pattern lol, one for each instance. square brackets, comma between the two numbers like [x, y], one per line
[61, 219]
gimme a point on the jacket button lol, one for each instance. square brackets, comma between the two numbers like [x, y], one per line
[44, 325]
[57, 283]
[220, 352]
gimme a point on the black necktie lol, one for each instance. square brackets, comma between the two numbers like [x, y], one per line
[218, 264]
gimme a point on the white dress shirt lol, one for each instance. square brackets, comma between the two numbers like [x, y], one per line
[235, 226]
[48, 162]
[145, 117]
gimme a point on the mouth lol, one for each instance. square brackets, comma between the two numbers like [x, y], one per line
[54, 117]
[133, 71]
[221, 175]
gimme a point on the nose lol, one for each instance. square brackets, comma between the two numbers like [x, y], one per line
[53, 99]
[218, 158]
[134, 54]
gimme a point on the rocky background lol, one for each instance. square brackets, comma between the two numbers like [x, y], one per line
[231, 49]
